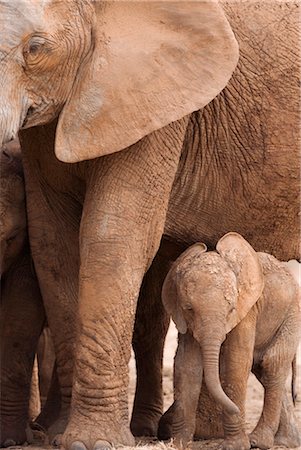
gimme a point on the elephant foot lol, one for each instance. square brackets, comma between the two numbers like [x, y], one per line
[166, 423]
[173, 425]
[83, 434]
[45, 419]
[56, 431]
[289, 430]
[262, 438]
[145, 423]
[14, 435]
[289, 440]
[237, 442]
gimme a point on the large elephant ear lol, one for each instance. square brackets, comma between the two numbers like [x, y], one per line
[153, 63]
[244, 262]
[170, 291]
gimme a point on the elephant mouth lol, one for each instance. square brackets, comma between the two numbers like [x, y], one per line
[29, 115]
[39, 114]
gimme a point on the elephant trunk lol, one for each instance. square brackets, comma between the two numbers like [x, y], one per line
[14, 105]
[210, 354]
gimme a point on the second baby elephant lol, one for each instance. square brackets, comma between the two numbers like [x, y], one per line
[250, 301]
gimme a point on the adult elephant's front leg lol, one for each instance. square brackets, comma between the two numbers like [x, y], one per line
[54, 218]
[122, 223]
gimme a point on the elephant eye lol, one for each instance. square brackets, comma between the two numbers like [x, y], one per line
[188, 307]
[34, 46]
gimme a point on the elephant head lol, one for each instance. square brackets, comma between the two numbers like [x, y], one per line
[208, 294]
[12, 207]
[113, 71]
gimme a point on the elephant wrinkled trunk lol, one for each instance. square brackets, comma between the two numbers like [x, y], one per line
[13, 110]
[210, 354]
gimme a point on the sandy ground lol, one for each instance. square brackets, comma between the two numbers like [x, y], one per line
[254, 396]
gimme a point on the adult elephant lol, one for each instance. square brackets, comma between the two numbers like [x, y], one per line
[89, 79]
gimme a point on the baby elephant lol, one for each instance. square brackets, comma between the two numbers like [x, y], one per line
[250, 301]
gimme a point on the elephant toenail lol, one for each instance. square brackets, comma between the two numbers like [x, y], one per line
[9, 443]
[57, 440]
[102, 445]
[78, 445]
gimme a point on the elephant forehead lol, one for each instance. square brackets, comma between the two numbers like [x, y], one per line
[17, 22]
[20, 18]
[206, 269]
[30, 10]
[193, 262]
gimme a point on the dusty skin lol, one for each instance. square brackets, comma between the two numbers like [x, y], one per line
[254, 401]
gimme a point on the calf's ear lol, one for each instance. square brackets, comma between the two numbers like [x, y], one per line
[244, 262]
[170, 292]
[171, 302]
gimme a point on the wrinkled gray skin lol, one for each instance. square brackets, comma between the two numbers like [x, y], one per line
[21, 312]
[234, 165]
[206, 294]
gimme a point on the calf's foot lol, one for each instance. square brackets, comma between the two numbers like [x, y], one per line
[289, 430]
[173, 425]
[262, 438]
[237, 442]
[292, 439]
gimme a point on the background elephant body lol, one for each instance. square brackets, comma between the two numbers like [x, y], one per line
[234, 172]
[253, 299]
[22, 313]
[96, 93]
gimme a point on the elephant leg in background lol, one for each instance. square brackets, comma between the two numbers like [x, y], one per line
[180, 419]
[288, 433]
[272, 372]
[151, 325]
[21, 322]
[121, 229]
[46, 361]
[51, 409]
[209, 420]
[53, 230]
[235, 367]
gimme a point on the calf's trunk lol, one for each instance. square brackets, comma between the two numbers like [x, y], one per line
[210, 353]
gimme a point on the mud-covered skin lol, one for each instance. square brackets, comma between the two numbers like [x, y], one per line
[104, 218]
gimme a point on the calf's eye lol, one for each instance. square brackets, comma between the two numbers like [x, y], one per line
[188, 307]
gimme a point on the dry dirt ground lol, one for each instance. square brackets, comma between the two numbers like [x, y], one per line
[254, 397]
